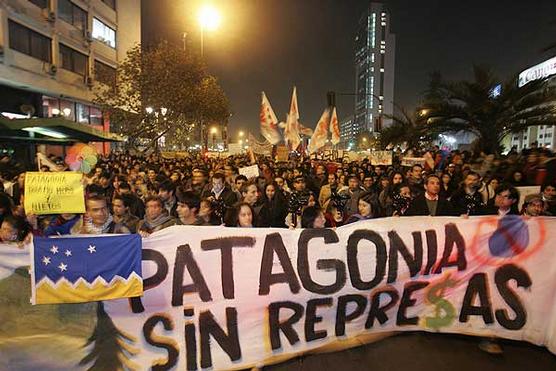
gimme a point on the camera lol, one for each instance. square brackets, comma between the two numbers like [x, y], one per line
[297, 201]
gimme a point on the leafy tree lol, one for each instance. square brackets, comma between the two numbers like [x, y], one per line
[408, 129]
[470, 106]
[175, 84]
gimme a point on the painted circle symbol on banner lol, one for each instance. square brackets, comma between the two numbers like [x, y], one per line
[509, 242]
[511, 238]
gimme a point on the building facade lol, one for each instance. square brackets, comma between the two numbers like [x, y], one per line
[375, 50]
[544, 136]
[53, 52]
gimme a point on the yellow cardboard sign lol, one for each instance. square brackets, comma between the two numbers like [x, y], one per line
[54, 193]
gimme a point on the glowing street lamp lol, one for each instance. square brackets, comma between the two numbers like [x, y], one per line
[209, 19]
[241, 134]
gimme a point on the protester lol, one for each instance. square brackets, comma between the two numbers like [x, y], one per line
[505, 202]
[243, 216]
[274, 208]
[167, 193]
[467, 200]
[365, 208]
[354, 191]
[14, 229]
[121, 206]
[312, 217]
[429, 202]
[156, 217]
[548, 192]
[533, 205]
[97, 219]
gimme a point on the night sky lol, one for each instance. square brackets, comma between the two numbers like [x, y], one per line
[272, 45]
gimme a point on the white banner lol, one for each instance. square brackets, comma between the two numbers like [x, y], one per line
[232, 298]
[383, 158]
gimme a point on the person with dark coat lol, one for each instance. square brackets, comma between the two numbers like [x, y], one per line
[429, 202]
[505, 201]
[137, 207]
[274, 209]
[467, 200]
[220, 191]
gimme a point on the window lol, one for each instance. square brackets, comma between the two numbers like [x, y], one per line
[110, 3]
[105, 74]
[29, 42]
[82, 113]
[96, 116]
[43, 4]
[72, 14]
[67, 109]
[103, 33]
[73, 60]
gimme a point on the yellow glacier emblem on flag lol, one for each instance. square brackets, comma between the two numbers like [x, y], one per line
[48, 292]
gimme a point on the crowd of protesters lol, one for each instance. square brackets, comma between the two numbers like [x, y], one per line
[133, 194]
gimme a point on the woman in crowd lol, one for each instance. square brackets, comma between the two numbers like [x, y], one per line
[312, 217]
[365, 208]
[489, 191]
[386, 195]
[243, 216]
[446, 186]
[334, 216]
[274, 209]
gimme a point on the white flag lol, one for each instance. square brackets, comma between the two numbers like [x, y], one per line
[334, 128]
[318, 140]
[42, 160]
[269, 122]
[291, 132]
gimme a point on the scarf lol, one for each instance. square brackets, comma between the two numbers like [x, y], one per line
[153, 224]
[90, 228]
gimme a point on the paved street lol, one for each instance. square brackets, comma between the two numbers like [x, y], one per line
[427, 352]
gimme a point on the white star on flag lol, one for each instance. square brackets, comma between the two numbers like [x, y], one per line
[46, 260]
[63, 267]
[68, 253]
[54, 249]
[92, 249]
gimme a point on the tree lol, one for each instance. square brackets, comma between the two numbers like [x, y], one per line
[111, 348]
[409, 129]
[182, 94]
[367, 140]
[470, 106]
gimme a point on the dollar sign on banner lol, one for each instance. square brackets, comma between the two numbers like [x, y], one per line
[444, 313]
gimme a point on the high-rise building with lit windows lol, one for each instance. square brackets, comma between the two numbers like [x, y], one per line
[375, 49]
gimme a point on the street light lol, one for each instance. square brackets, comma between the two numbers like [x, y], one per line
[241, 134]
[209, 19]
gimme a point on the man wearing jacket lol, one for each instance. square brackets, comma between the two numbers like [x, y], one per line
[430, 203]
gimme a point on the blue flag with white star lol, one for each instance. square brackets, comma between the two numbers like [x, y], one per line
[84, 269]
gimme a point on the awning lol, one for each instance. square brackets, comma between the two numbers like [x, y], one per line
[55, 130]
